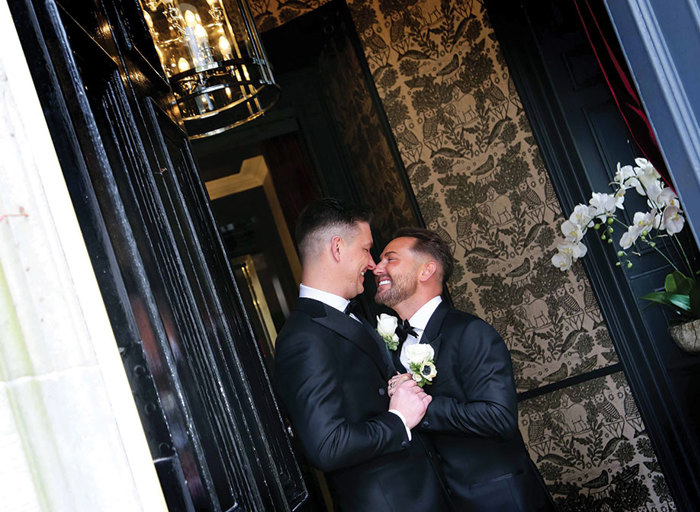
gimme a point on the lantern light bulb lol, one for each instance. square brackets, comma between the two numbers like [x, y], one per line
[190, 18]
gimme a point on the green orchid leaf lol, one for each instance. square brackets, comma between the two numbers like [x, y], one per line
[676, 301]
[677, 282]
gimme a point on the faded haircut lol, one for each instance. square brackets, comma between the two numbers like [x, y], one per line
[323, 219]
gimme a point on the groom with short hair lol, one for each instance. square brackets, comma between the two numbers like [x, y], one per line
[331, 375]
[473, 418]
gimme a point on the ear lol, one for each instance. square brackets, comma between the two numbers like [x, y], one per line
[336, 244]
[429, 269]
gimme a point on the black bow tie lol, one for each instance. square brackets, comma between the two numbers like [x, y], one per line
[353, 307]
[403, 329]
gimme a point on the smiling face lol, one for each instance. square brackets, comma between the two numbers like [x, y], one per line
[397, 273]
[356, 260]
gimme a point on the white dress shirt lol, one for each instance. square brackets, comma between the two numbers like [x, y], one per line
[419, 321]
[340, 303]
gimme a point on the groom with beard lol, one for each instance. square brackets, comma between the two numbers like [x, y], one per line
[473, 418]
[331, 372]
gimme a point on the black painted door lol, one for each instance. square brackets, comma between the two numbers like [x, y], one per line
[582, 137]
[214, 430]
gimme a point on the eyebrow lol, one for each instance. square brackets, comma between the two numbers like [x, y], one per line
[388, 253]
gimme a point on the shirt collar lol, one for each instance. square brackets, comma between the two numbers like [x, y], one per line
[420, 318]
[330, 299]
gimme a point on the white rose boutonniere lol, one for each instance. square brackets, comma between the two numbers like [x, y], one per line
[420, 360]
[386, 327]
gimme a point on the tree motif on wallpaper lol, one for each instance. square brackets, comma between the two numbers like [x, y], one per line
[591, 448]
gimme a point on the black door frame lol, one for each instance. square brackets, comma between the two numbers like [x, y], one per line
[676, 444]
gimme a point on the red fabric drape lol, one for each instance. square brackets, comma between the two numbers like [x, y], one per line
[604, 43]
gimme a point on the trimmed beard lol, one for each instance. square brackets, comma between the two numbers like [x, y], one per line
[399, 290]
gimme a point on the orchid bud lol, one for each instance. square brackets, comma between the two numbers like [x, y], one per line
[596, 226]
[611, 220]
[609, 240]
[620, 254]
[629, 264]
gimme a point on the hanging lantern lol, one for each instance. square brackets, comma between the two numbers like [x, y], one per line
[212, 56]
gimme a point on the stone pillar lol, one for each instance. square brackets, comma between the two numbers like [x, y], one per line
[70, 435]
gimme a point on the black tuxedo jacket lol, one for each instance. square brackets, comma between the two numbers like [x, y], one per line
[331, 375]
[473, 418]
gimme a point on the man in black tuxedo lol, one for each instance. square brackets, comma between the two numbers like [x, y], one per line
[331, 375]
[472, 419]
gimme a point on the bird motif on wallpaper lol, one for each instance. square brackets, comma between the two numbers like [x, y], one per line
[450, 67]
[599, 483]
[410, 143]
[431, 133]
[632, 416]
[443, 233]
[496, 130]
[590, 304]
[485, 167]
[533, 202]
[550, 198]
[493, 93]
[396, 33]
[466, 237]
[557, 375]
[573, 314]
[537, 439]
[376, 48]
[613, 422]
[521, 271]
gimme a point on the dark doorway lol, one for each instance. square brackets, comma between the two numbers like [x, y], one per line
[327, 136]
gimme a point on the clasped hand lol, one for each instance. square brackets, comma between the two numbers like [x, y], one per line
[408, 398]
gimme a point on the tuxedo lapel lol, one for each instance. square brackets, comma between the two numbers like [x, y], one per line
[347, 327]
[432, 334]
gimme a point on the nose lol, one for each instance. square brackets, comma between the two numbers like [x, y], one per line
[371, 265]
[379, 268]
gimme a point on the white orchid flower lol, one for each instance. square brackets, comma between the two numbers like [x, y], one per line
[667, 197]
[575, 249]
[628, 239]
[571, 231]
[654, 190]
[562, 260]
[581, 216]
[646, 177]
[673, 221]
[603, 205]
[646, 221]
[623, 176]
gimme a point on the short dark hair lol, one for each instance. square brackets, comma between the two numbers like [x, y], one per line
[326, 214]
[430, 243]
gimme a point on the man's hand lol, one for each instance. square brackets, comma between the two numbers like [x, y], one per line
[396, 381]
[411, 401]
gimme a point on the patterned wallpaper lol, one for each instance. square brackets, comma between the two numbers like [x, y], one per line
[375, 170]
[480, 181]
